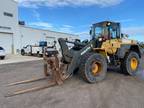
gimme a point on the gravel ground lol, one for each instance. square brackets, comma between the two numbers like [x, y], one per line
[116, 91]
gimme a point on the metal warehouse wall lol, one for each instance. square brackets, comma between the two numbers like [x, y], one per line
[31, 36]
[9, 25]
[8, 16]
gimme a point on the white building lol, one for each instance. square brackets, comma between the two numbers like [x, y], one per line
[8, 25]
[14, 36]
[32, 36]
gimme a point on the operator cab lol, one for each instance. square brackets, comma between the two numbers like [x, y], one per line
[105, 30]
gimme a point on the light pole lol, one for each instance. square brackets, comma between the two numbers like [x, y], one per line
[12, 44]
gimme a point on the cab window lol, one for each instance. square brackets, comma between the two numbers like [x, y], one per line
[113, 33]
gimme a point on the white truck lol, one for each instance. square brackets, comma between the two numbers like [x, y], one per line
[37, 50]
[32, 50]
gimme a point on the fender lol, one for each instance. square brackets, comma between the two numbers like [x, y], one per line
[127, 48]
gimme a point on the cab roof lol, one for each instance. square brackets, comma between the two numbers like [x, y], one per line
[105, 23]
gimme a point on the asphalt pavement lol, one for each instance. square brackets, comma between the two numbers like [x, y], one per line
[116, 91]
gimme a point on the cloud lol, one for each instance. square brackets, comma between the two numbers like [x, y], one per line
[66, 29]
[36, 14]
[84, 35]
[61, 3]
[49, 26]
[43, 25]
[134, 31]
[125, 20]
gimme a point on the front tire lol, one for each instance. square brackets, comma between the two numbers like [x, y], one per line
[93, 67]
[130, 64]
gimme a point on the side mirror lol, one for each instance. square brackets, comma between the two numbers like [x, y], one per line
[127, 35]
[90, 32]
[124, 35]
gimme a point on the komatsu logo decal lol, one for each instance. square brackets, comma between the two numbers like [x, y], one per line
[85, 50]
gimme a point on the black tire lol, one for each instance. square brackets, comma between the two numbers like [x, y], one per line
[22, 52]
[86, 66]
[126, 64]
[40, 55]
[2, 58]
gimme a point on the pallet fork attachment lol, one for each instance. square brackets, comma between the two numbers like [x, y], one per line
[55, 76]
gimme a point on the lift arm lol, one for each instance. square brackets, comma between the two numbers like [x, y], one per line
[72, 57]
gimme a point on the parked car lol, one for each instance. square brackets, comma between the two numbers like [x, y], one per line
[2, 53]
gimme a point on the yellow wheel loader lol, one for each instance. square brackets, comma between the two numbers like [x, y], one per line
[107, 46]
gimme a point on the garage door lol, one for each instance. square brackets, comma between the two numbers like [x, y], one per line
[6, 42]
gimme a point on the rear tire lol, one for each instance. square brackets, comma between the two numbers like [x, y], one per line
[40, 55]
[130, 64]
[93, 67]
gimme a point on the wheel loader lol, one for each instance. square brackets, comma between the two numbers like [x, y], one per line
[107, 47]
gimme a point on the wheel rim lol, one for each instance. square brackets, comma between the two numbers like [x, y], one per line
[96, 68]
[134, 64]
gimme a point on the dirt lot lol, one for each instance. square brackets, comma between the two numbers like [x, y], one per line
[116, 91]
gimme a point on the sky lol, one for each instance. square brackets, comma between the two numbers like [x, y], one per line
[76, 16]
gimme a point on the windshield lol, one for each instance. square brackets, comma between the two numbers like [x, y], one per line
[99, 31]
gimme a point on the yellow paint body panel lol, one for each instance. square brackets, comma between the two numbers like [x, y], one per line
[111, 46]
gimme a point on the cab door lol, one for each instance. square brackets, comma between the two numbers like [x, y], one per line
[114, 40]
